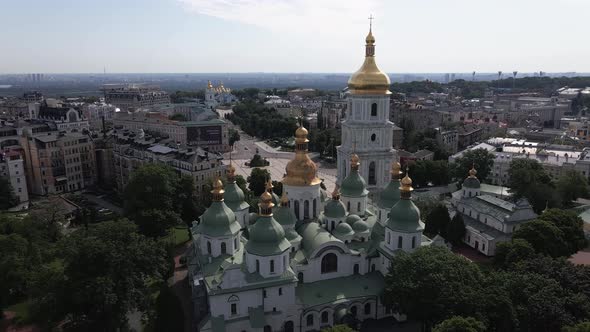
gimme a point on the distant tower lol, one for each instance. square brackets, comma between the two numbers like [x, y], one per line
[499, 78]
[473, 76]
[367, 124]
[210, 100]
[514, 73]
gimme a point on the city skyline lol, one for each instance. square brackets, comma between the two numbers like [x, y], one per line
[198, 36]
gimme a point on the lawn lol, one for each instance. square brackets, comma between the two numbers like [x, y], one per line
[177, 235]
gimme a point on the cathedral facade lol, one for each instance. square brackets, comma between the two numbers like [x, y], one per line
[307, 260]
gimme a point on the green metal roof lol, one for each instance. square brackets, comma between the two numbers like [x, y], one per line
[343, 229]
[352, 218]
[471, 183]
[234, 197]
[405, 217]
[292, 235]
[266, 237]
[360, 226]
[340, 289]
[354, 185]
[390, 195]
[218, 220]
[285, 216]
[335, 209]
[314, 236]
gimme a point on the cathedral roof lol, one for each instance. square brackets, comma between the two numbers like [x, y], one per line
[218, 219]
[354, 185]
[314, 236]
[335, 208]
[266, 237]
[352, 218]
[472, 181]
[343, 230]
[391, 194]
[301, 171]
[234, 197]
[360, 226]
[405, 217]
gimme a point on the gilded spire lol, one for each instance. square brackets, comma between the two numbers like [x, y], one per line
[472, 171]
[396, 171]
[209, 85]
[230, 170]
[301, 171]
[217, 192]
[284, 199]
[265, 206]
[354, 162]
[269, 186]
[336, 194]
[406, 186]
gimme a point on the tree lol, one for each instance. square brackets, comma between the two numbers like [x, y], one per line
[570, 224]
[580, 327]
[571, 185]
[437, 221]
[169, 312]
[339, 328]
[432, 284]
[257, 161]
[189, 205]
[482, 159]
[456, 229]
[428, 171]
[234, 136]
[108, 270]
[257, 181]
[460, 324]
[14, 268]
[513, 252]
[528, 179]
[7, 197]
[544, 237]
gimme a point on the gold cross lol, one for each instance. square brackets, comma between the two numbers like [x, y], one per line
[371, 18]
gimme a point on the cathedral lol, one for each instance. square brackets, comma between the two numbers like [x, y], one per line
[308, 259]
[218, 95]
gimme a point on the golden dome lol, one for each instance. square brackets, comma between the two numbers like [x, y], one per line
[266, 204]
[230, 170]
[354, 161]
[406, 183]
[472, 171]
[396, 168]
[209, 85]
[269, 185]
[301, 171]
[369, 79]
[217, 191]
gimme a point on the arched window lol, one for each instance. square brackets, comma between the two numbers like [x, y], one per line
[333, 225]
[272, 266]
[372, 179]
[329, 263]
[309, 320]
[315, 206]
[358, 207]
[368, 309]
[373, 138]
[300, 277]
[306, 209]
[356, 269]
[236, 243]
[258, 266]
[413, 242]
[353, 310]
[348, 206]
[223, 248]
[296, 208]
[289, 326]
[325, 317]
[399, 241]
[388, 238]
[209, 247]
[374, 109]
[372, 267]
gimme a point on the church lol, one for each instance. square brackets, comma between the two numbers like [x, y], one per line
[308, 259]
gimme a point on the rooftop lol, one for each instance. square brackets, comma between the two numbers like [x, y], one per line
[345, 288]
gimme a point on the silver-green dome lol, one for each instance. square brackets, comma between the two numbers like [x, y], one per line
[218, 220]
[292, 235]
[471, 182]
[360, 226]
[354, 185]
[267, 237]
[390, 195]
[405, 217]
[285, 216]
[352, 218]
[234, 197]
[335, 209]
[343, 230]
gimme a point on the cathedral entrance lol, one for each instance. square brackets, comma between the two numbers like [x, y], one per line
[289, 326]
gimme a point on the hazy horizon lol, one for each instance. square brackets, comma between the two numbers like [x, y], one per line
[292, 36]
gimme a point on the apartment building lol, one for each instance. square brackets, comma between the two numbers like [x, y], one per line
[134, 96]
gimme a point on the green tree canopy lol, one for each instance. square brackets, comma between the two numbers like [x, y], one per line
[460, 324]
[544, 237]
[482, 159]
[257, 181]
[571, 225]
[572, 185]
[427, 171]
[528, 179]
[580, 327]
[437, 221]
[456, 229]
[234, 136]
[7, 197]
[513, 252]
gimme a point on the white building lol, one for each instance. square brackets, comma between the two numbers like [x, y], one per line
[218, 95]
[366, 129]
[12, 168]
[488, 219]
[307, 264]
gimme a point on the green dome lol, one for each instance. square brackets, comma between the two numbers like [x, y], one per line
[405, 217]
[352, 218]
[275, 198]
[285, 216]
[292, 235]
[234, 197]
[218, 220]
[390, 195]
[267, 237]
[342, 230]
[471, 183]
[360, 226]
[335, 209]
[354, 185]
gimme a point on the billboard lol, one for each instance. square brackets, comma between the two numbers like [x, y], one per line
[204, 135]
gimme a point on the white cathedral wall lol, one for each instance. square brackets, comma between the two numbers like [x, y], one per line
[242, 217]
[302, 194]
[346, 262]
[355, 205]
[281, 262]
[392, 239]
[232, 243]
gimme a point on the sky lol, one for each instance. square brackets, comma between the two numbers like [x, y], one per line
[223, 36]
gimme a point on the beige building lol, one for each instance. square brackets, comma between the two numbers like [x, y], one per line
[130, 153]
